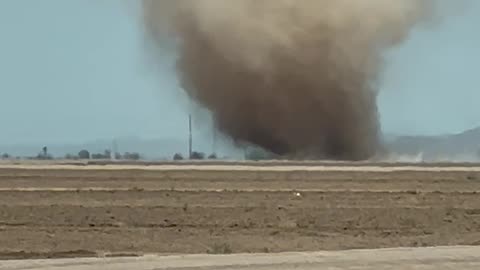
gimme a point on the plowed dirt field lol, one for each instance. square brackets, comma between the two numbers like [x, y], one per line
[73, 211]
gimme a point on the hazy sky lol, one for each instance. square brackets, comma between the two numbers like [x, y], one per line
[75, 70]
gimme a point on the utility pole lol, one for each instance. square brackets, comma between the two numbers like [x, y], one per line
[190, 136]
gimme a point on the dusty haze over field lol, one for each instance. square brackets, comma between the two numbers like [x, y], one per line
[296, 78]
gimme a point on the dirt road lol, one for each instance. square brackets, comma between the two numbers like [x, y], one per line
[72, 211]
[444, 258]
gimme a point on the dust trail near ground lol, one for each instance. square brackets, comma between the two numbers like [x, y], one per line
[297, 78]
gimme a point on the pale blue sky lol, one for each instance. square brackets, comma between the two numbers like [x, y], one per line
[75, 70]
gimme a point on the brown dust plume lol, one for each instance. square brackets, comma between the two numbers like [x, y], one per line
[295, 77]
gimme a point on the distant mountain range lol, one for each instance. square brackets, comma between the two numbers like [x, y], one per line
[463, 147]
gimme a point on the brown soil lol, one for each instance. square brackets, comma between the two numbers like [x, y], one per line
[83, 212]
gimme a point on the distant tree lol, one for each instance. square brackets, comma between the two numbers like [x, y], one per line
[5, 156]
[136, 156]
[98, 156]
[131, 156]
[212, 156]
[70, 157]
[105, 155]
[178, 156]
[84, 154]
[44, 155]
[257, 154]
[197, 155]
